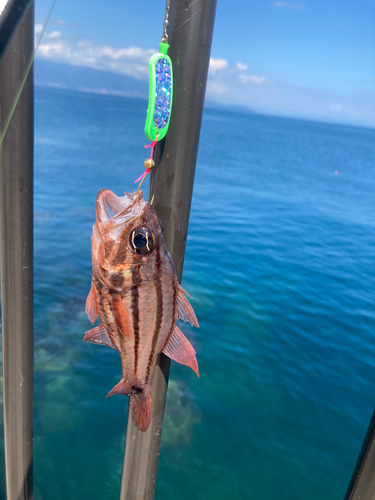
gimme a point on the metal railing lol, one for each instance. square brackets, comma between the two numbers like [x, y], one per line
[16, 249]
[12, 15]
[172, 179]
[362, 484]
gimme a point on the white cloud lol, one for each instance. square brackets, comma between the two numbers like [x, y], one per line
[217, 65]
[131, 61]
[215, 89]
[38, 29]
[224, 79]
[289, 5]
[54, 34]
[252, 79]
[2, 5]
[241, 67]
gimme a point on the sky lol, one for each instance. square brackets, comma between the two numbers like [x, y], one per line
[313, 59]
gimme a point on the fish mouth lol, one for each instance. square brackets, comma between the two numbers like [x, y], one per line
[118, 209]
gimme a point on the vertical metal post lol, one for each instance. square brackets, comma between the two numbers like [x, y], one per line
[362, 484]
[16, 257]
[10, 17]
[172, 180]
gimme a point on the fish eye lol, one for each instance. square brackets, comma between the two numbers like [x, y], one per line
[142, 240]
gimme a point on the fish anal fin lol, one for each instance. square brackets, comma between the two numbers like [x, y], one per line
[140, 405]
[121, 388]
[91, 305]
[98, 335]
[179, 349]
[186, 312]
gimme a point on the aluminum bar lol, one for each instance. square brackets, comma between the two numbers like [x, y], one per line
[362, 484]
[16, 257]
[10, 17]
[172, 179]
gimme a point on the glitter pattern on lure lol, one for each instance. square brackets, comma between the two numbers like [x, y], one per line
[137, 296]
[160, 96]
[163, 93]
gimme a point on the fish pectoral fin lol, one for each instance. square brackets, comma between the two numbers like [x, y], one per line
[98, 335]
[92, 306]
[185, 311]
[179, 349]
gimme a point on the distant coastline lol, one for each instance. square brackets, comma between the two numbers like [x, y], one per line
[88, 80]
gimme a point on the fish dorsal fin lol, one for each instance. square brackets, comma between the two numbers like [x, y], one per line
[185, 311]
[92, 306]
[98, 335]
[179, 349]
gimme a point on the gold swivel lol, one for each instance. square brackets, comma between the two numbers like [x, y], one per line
[149, 163]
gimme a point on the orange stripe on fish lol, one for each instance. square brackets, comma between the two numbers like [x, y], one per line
[121, 316]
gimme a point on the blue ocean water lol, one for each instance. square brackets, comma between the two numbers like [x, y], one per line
[280, 262]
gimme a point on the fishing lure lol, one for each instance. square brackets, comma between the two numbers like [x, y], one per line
[134, 288]
[160, 89]
[160, 97]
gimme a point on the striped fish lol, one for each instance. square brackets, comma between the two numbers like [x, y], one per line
[136, 294]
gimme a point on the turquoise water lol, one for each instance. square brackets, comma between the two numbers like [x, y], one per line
[280, 262]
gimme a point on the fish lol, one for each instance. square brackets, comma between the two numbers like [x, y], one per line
[136, 294]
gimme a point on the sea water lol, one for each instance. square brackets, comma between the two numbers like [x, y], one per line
[280, 262]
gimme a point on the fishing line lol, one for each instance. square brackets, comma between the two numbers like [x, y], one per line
[7, 122]
[149, 164]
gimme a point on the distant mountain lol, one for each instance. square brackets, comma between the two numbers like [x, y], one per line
[65, 76]
[49, 74]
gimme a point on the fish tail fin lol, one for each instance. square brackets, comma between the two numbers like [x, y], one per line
[121, 388]
[140, 405]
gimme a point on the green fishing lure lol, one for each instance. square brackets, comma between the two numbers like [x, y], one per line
[160, 94]
[160, 97]
[161, 88]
